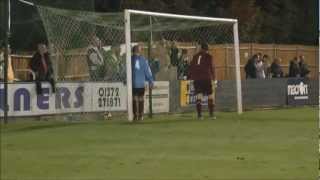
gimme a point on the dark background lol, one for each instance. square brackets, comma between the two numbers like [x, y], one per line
[261, 21]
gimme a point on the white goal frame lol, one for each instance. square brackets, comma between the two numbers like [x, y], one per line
[234, 22]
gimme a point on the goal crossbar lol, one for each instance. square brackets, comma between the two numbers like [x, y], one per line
[179, 16]
[234, 22]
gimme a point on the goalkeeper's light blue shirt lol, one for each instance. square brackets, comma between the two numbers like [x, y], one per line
[141, 71]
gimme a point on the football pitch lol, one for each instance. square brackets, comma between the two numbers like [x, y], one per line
[258, 145]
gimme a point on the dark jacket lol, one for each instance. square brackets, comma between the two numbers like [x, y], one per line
[276, 70]
[304, 69]
[250, 68]
[174, 56]
[37, 67]
[294, 69]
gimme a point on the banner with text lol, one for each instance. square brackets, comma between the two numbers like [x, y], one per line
[298, 92]
[69, 98]
[187, 95]
[160, 98]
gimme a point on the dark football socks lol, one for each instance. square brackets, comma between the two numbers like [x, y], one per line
[199, 108]
[135, 109]
[141, 109]
[211, 107]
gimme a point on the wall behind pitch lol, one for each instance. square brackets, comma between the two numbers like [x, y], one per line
[257, 94]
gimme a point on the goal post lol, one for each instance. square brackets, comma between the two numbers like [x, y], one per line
[128, 31]
[238, 73]
[128, 61]
[91, 56]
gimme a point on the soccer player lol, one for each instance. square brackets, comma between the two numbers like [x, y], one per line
[140, 74]
[202, 72]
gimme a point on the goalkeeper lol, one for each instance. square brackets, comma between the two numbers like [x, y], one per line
[202, 72]
[140, 73]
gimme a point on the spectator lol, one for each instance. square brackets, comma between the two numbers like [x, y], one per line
[1, 64]
[174, 54]
[95, 60]
[113, 64]
[294, 68]
[155, 67]
[260, 69]
[275, 69]
[250, 67]
[304, 69]
[266, 66]
[10, 70]
[41, 65]
[161, 52]
[183, 65]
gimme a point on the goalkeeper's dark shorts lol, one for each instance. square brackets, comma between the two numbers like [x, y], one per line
[138, 91]
[203, 87]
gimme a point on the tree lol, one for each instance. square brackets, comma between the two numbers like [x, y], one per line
[308, 16]
[107, 5]
[2, 22]
[264, 21]
[249, 17]
[289, 21]
[27, 28]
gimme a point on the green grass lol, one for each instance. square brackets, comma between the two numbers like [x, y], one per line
[260, 145]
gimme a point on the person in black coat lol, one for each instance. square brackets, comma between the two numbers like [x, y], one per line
[276, 69]
[303, 67]
[294, 68]
[41, 65]
[250, 67]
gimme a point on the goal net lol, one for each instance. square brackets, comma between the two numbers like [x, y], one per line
[91, 53]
